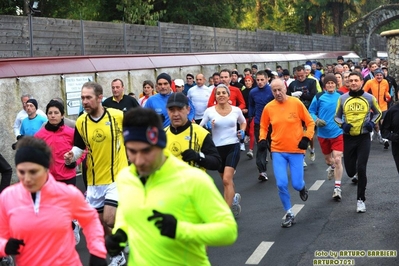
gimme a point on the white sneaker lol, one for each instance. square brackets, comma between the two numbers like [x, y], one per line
[118, 260]
[312, 156]
[361, 207]
[304, 163]
[236, 207]
[380, 139]
[242, 146]
[250, 154]
[76, 232]
[337, 193]
[330, 173]
[7, 261]
[371, 135]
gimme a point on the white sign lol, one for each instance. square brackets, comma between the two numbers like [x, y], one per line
[73, 87]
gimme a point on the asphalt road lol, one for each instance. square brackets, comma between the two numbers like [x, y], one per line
[325, 229]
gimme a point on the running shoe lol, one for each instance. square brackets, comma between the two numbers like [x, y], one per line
[7, 261]
[289, 220]
[380, 139]
[337, 193]
[386, 145]
[304, 163]
[236, 207]
[361, 207]
[262, 176]
[250, 154]
[330, 173]
[304, 194]
[76, 232]
[242, 146]
[118, 260]
[312, 156]
[354, 179]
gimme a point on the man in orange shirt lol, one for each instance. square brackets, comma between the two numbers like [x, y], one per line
[379, 88]
[289, 143]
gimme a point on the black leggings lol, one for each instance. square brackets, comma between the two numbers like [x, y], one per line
[356, 155]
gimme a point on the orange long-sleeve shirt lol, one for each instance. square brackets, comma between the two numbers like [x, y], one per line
[380, 91]
[286, 120]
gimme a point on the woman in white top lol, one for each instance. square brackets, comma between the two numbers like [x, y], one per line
[224, 119]
[148, 90]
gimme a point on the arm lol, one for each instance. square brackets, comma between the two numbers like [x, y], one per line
[310, 124]
[4, 228]
[312, 90]
[377, 114]
[212, 99]
[205, 118]
[264, 125]
[240, 100]
[386, 127]
[218, 226]
[17, 126]
[212, 159]
[339, 113]
[313, 108]
[191, 114]
[90, 223]
[251, 107]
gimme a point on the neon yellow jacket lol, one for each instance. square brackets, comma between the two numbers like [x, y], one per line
[190, 195]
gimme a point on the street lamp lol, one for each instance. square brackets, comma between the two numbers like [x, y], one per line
[33, 9]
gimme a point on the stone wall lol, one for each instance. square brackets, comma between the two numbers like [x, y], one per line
[62, 37]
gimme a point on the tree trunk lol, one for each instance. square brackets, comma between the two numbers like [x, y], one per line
[336, 17]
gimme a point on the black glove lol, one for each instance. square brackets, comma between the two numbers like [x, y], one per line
[303, 144]
[262, 145]
[71, 165]
[346, 127]
[369, 126]
[166, 223]
[97, 261]
[190, 155]
[394, 137]
[12, 246]
[20, 137]
[112, 242]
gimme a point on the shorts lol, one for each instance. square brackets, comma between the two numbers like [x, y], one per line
[98, 196]
[333, 144]
[230, 155]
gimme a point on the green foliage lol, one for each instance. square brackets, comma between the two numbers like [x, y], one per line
[298, 16]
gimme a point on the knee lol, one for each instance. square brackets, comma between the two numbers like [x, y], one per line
[298, 186]
[227, 181]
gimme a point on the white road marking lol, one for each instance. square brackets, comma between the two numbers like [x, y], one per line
[295, 209]
[317, 185]
[259, 253]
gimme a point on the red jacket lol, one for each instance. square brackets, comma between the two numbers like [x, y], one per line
[236, 98]
[60, 142]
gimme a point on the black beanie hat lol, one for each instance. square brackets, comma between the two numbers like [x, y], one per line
[55, 103]
[165, 76]
[32, 101]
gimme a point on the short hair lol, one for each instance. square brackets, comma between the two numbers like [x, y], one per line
[300, 68]
[262, 73]
[216, 74]
[356, 74]
[226, 70]
[117, 80]
[97, 88]
[247, 69]
[372, 63]
[37, 143]
[142, 117]
[278, 66]
[26, 95]
[358, 67]
[131, 94]
[222, 86]
[148, 82]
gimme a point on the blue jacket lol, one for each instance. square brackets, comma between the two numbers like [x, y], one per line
[258, 98]
[158, 102]
[323, 106]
